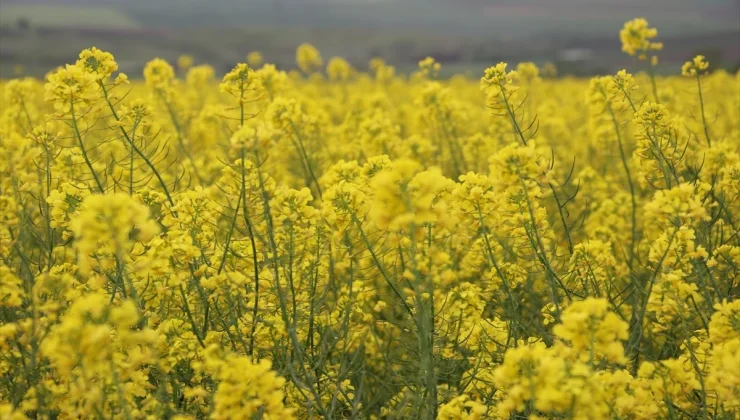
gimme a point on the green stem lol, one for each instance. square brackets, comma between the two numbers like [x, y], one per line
[703, 116]
[136, 149]
[626, 167]
[82, 147]
[304, 155]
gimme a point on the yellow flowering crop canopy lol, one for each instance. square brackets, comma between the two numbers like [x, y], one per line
[345, 243]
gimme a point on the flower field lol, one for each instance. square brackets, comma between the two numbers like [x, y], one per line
[335, 243]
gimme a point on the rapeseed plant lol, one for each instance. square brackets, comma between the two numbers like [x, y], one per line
[369, 245]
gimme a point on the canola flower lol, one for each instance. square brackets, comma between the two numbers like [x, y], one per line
[368, 245]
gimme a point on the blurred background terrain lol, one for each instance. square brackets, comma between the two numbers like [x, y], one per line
[579, 36]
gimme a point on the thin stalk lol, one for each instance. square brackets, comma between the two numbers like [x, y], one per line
[562, 218]
[636, 333]
[703, 116]
[298, 352]
[136, 149]
[378, 264]
[131, 163]
[230, 233]
[84, 151]
[626, 167]
[304, 155]
[250, 230]
[512, 116]
[653, 84]
[178, 131]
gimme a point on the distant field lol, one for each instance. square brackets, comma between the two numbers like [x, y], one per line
[67, 15]
[465, 35]
[444, 17]
[500, 18]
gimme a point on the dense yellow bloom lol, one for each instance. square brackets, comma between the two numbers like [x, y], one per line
[11, 290]
[71, 87]
[592, 330]
[725, 323]
[462, 407]
[355, 244]
[96, 350]
[679, 205]
[403, 196]
[109, 224]
[246, 390]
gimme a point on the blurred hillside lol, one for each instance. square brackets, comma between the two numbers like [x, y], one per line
[580, 36]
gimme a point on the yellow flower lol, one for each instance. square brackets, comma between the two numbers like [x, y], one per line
[429, 68]
[200, 75]
[71, 87]
[725, 322]
[636, 37]
[528, 73]
[241, 84]
[308, 58]
[462, 407]
[255, 59]
[107, 227]
[158, 74]
[497, 76]
[185, 62]
[695, 67]
[339, 69]
[246, 389]
[593, 331]
[100, 63]
[11, 288]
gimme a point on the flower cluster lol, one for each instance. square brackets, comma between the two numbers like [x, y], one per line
[637, 38]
